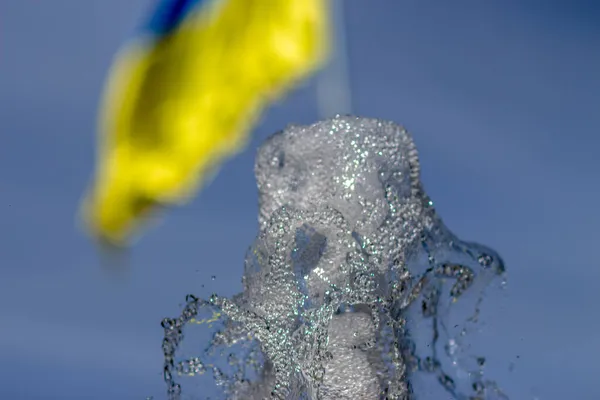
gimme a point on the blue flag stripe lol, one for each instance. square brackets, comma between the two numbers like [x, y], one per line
[168, 14]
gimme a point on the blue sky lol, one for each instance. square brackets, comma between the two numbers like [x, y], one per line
[502, 99]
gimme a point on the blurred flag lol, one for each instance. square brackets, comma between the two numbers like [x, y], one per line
[185, 94]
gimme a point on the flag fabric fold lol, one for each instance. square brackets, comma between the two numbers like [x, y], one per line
[183, 96]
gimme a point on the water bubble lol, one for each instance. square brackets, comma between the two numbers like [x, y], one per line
[485, 260]
[168, 323]
[190, 298]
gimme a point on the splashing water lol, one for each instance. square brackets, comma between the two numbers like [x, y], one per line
[354, 288]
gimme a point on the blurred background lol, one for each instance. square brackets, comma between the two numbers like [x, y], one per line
[502, 99]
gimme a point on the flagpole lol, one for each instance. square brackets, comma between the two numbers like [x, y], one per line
[334, 95]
